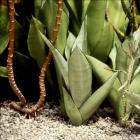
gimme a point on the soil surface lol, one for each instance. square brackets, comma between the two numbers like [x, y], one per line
[50, 125]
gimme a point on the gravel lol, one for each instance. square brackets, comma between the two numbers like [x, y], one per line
[50, 125]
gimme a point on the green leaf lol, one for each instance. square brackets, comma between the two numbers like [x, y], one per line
[96, 99]
[95, 22]
[47, 15]
[85, 4]
[113, 53]
[4, 28]
[3, 72]
[37, 7]
[104, 46]
[73, 6]
[81, 40]
[80, 77]
[102, 73]
[101, 70]
[70, 41]
[122, 60]
[63, 31]
[117, 15]
[4, 40]
[137, 70]
[71, 109]
[36, 45]
[135, 84]
[59, 59]
[134, 98]
[136, 36]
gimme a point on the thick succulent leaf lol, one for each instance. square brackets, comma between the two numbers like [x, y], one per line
[104, 46]
[122, 60]
[59, 59]
[70, 41]
[85, 4]
[113, 53]
[4, 28]
[3, 71]
[47, 15]
[60, 84]
[102, 74]
[81, 40]
[101, 70]
[37, 5]
[112, 57]
[63, 31]
[137, 70]
[4, 40]
[96, 99]
[80, 77]
[136, 37]
[116, 14]
[135, 84]
[71, 109]
[75, 8]
[36, 45]
[95, 22]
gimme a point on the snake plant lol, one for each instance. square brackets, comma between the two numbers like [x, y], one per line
[80, 102]
[128, 77]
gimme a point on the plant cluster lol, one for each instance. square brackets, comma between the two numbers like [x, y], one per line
[95, 46]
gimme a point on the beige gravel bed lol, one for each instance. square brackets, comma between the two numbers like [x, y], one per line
[50, 125]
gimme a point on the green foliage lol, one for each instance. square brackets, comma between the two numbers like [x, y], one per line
[77, 77]
[88, 49]
[3, 71]
[36, 45]
[4, 28]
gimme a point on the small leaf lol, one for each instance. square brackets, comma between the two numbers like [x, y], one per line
[36, 45]
[3, 72]
[70, 41]
[134, 98]
[136, 37]
[4, 40]
[137, 70]
[71, 109]
[113, 53]
[135, 84]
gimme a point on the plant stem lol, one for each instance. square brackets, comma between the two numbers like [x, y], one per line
[10, 55]
[45, 66]
[131, 14]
